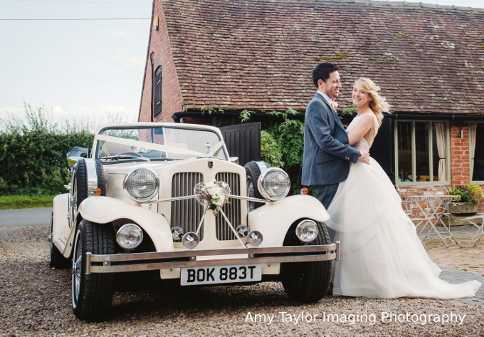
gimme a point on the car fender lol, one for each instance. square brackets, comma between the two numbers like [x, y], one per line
[273, 220]
[104, 210]
[60, 221]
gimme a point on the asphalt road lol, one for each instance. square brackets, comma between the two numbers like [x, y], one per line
[26, 216]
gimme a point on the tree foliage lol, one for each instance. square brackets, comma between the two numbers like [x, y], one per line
[282, 141]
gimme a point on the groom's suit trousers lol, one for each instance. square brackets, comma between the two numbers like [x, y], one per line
[325, 194]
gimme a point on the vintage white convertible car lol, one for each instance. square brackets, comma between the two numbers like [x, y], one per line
[167, 198]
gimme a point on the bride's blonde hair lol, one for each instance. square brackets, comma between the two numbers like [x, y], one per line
[378, 104]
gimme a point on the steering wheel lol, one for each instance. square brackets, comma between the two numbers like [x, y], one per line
[134, 154]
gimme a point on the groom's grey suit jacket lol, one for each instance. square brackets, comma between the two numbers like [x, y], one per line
[327, 155]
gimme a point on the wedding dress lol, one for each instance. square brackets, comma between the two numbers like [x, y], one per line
[382, 255]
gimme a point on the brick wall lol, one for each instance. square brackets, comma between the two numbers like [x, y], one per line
[459, 148]
[159, 49]
[417, 190]
[460, 158]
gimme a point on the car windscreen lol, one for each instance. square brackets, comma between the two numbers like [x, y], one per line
[158, 143]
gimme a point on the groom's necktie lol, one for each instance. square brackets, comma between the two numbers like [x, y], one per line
[331, 106]
[336, 116]
[330, 103]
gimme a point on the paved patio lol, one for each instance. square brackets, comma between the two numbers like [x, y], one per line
[460, 264]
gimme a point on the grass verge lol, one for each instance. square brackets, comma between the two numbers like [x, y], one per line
[25, 201]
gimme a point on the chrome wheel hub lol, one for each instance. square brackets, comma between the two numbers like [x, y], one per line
[76, 271]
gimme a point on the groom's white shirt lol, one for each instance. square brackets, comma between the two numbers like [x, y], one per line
[326, 98]
[329, 101]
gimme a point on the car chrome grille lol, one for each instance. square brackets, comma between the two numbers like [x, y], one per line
[231, 209]
[186, 213]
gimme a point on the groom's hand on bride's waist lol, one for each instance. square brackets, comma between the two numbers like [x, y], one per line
[364, 157]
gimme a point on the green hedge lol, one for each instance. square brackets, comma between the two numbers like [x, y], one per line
[33, 159]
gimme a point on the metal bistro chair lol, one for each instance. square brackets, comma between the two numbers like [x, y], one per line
[440, 205]
[430, 210]
[471, 237]
[411, 209]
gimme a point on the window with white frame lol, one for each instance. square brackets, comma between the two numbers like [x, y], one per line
[476, 144]
[421, 152]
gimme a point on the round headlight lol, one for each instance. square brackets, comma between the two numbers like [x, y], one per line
[129, 236]
[141, 184]
[190, 240]
[254, 238]
[274, 184]
[307, 231]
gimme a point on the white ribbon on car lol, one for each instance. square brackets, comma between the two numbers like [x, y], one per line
[150, 146]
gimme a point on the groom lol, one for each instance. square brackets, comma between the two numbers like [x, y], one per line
[327, 155]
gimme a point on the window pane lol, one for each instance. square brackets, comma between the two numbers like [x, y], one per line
[435, 155]
[478, 174]
[157, 83]
[405, 151]
[422, 151]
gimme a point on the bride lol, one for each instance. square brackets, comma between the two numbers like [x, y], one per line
[382, 255]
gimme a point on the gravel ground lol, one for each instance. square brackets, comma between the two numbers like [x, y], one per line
[35, 301]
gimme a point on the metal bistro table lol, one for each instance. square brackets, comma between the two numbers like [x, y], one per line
[472, 235]
[427, 211]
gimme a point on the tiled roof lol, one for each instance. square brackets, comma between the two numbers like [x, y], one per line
[259, 54]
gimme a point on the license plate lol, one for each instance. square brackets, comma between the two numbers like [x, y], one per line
[220, 274]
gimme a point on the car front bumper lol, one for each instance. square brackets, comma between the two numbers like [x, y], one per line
[118, 263]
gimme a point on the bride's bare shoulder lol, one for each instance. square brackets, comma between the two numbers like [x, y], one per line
[369, 120]
[370, 116]
[365, 119]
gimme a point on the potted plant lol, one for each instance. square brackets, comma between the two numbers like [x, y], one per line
[467, 198]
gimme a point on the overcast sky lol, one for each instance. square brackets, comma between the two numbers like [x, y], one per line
[85, 71]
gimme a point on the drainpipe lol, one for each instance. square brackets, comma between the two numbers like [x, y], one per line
[152, 73]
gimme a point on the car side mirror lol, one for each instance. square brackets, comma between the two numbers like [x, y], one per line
[72, 161]
[74, 154]
[234, 160]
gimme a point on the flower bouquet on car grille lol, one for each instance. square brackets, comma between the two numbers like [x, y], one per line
[212, 195]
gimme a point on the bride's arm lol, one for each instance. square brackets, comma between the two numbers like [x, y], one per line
[359, 129]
